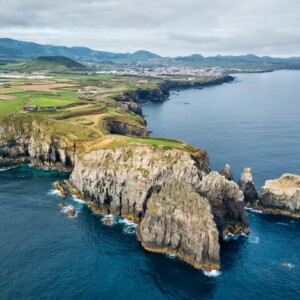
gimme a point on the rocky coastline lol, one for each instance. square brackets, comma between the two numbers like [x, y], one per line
[162, 92]
[181, 206]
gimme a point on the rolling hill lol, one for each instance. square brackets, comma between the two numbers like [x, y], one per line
[18, 51]
[46, 63]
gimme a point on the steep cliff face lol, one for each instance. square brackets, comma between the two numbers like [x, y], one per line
[227, 203]
[121, 180]
[30, 139]
[117, 127]
[282, 195]
[179, 221]
[161, 92]
[180, 204]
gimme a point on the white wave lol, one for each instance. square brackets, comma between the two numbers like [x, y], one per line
[230, 236]
[171, 255]
[283, 224]
[54, 192]
[77, 199]
[109, 220]
[126, 222]
[66, 208]
[212, 273]
[254, 239]
[254, 210]
[129, 229]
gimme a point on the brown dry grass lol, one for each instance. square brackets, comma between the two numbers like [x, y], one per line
[43, 86]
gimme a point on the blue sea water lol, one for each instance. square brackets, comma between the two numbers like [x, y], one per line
[44, 254]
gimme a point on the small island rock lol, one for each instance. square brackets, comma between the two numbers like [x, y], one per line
[282, 195]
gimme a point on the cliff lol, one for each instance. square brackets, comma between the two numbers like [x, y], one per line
[164, 185]
[161, 91]
[121, 180]
[30, 138]
[281, 196]
[179, 221]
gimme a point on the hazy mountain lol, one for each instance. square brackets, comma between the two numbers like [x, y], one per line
[13, 50]
[46, 63]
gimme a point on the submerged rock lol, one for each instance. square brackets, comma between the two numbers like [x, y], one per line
[71, 212]
[282, 196]
[226, 172]
[246, 184]
[61, 188]
[179, 221]
[227, 203]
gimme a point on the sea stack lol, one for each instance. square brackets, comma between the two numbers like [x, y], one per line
[227, 204]
[282, 195]
[226, 172]
[246, 184]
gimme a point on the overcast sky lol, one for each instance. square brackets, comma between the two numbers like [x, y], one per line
[166, 27]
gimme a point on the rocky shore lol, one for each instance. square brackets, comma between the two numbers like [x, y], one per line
[181, 206]
[278, 196]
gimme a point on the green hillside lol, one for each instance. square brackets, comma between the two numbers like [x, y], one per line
[45, 63]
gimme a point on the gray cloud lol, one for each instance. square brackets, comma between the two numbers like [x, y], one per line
[167, 27]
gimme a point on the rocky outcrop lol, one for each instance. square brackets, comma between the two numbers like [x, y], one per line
[121, 180]
[282, 196]
[179, 221]
[162, 92]
[227, 203]
[118, 127]
[246, 184]
[27, 138]
[226, 172]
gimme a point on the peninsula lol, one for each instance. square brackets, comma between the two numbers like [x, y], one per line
[92, 126]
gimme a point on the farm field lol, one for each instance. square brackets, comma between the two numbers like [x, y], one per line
[84, 107]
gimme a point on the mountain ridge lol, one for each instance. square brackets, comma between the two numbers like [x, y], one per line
[14, 50]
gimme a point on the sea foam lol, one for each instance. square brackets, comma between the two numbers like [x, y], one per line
[212, 273]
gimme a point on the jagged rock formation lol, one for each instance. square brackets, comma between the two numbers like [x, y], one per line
[118, 127]
[246, 184]
[227, 203]
[162, 92]
[121, 180]
[179, 221]
[282, 196]
[127, 180]
[226, 172]
[30, 139]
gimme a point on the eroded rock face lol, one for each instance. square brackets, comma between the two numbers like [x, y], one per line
[179, 221]
[226, 172]
[118, 127]
[282, 195]
[121, 180]
[33, 141]
[227, 203]
[246, 184]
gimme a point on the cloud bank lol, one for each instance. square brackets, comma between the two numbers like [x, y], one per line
[166, 27]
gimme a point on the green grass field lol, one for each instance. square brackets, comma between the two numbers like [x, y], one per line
[43, 101]
[8, 107]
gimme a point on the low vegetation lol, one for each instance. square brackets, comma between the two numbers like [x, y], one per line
[78, 105]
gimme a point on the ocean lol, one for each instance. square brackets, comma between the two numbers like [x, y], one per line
[253, 122]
